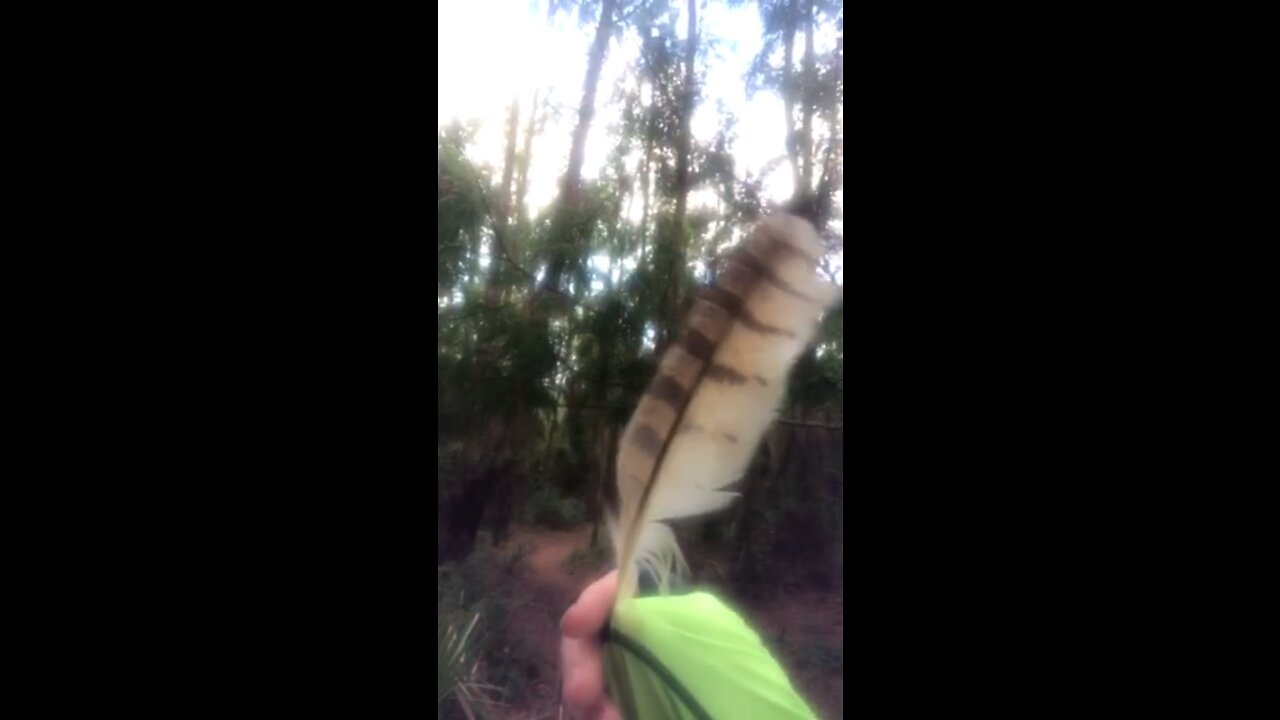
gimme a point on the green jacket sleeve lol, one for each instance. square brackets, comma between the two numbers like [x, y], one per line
[688, 657]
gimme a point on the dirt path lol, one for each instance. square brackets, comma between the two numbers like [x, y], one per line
[540, 586]
[546, 563]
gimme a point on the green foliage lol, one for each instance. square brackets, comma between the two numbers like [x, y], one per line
[548, 508]
[502, 656]
[460, 586]
[455, 657]
[818, 378]
[460, 208]
[460, 645]
[476, 386]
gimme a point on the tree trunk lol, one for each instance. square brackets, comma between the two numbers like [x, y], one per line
[526, 158]
[505, 200]
[788, 88]
[502, 221]
[571, 187]
[806, 106]
[603, 434]
[833, 162]
[460, 514]
[679, 238]
[548, 451]
[562, 227]
[610, 472]
[600, 474]
[473, 264]
[645, 180]
[490, 449]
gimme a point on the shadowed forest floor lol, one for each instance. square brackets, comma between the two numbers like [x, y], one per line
[540, 572]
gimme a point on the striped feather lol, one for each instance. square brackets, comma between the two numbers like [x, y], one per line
[716, 392]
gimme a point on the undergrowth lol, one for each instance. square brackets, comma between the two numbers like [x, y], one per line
[483, 661]
[550, 509]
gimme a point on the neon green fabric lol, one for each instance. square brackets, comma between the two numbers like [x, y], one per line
[687, 657]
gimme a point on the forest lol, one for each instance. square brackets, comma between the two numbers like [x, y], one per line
[556, 302]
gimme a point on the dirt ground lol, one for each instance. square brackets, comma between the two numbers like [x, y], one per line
[804, 628]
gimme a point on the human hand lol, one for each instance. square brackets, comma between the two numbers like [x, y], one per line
[581, 657]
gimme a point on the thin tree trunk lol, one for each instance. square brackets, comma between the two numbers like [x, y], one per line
[491, 447]
[600, 476]
[631, 191]
[505, 200]
[473, 265]
[806, 105]
[679, 239]
[638, 176]
[567, 209]
[788, 88]
[610, 471]
[461, 512]
[645, 180]
[522, 183]
[603, 429]
[570, 189]
[502, 222]
[548, 453]
[833, 160]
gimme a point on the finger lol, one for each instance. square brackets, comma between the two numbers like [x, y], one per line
[583, 673]
[589, 613]
[571, 665]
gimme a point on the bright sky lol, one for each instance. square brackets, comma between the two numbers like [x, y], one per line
[491, 51]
